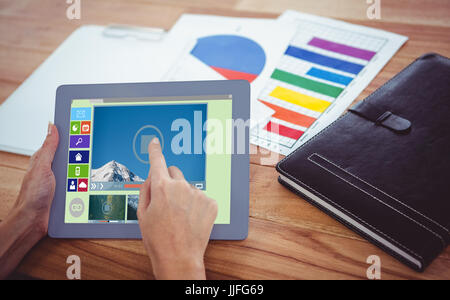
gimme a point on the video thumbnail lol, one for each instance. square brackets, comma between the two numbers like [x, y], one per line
[133, 201]
[107, 207]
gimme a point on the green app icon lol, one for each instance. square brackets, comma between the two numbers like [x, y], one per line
[77, 171]
[75, 127]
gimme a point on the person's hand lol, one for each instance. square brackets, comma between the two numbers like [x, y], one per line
[27, 222]
[175, 220]
[38, 186]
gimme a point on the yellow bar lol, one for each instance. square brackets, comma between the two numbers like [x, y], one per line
[306, 101]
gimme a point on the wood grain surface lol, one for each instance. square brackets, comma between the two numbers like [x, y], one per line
[288, 238]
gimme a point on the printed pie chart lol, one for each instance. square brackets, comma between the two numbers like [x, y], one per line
[232, 56]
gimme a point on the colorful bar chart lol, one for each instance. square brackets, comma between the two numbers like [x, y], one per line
[308, 80]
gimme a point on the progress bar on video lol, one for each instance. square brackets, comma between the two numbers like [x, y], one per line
[132, 186]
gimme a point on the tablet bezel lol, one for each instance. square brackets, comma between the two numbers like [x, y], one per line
[240, 163]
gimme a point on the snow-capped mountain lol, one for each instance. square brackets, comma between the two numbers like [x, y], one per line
[114, 171]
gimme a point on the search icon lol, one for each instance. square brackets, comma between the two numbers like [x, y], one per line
[80, 141]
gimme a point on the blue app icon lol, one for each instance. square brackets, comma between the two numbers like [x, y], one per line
[78, 157]
[72, 184]
[80, 113]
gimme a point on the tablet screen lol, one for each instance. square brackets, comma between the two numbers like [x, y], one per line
[108, 152]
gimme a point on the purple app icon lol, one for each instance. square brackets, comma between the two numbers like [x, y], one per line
[79, 141]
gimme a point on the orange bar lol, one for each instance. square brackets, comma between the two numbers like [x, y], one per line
[132, 186]
[289, 115]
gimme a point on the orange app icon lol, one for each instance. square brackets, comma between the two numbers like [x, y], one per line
[86, 127]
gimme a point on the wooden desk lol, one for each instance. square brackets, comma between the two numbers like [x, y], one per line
[288, 237]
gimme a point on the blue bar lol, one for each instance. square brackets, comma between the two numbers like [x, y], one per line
[330, 76]
[323, 60]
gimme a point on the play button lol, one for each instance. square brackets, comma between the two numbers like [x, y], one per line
[141, 140]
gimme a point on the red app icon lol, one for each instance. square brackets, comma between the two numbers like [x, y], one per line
[82, 185]
[86, 127]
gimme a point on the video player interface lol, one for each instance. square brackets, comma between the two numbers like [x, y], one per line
[108, 152]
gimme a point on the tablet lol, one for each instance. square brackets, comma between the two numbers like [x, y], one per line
[102, 158]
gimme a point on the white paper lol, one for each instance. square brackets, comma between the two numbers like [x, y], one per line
[271, 36]
[385, 44]
[86, 57]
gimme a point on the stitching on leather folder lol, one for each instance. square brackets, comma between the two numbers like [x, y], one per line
[356, 217]
[374, 197]
[392, 197]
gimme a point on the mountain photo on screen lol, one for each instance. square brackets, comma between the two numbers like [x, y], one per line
[114, 171]
[121, 135]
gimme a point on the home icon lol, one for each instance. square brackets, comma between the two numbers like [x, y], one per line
[78, 157]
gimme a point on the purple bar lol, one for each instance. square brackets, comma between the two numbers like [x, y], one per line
[342, 49]
[79, 141]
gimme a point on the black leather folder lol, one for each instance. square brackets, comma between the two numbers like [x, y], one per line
[383, 168]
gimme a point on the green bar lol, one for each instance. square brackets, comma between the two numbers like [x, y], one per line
[312, 85]
[77, 171]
